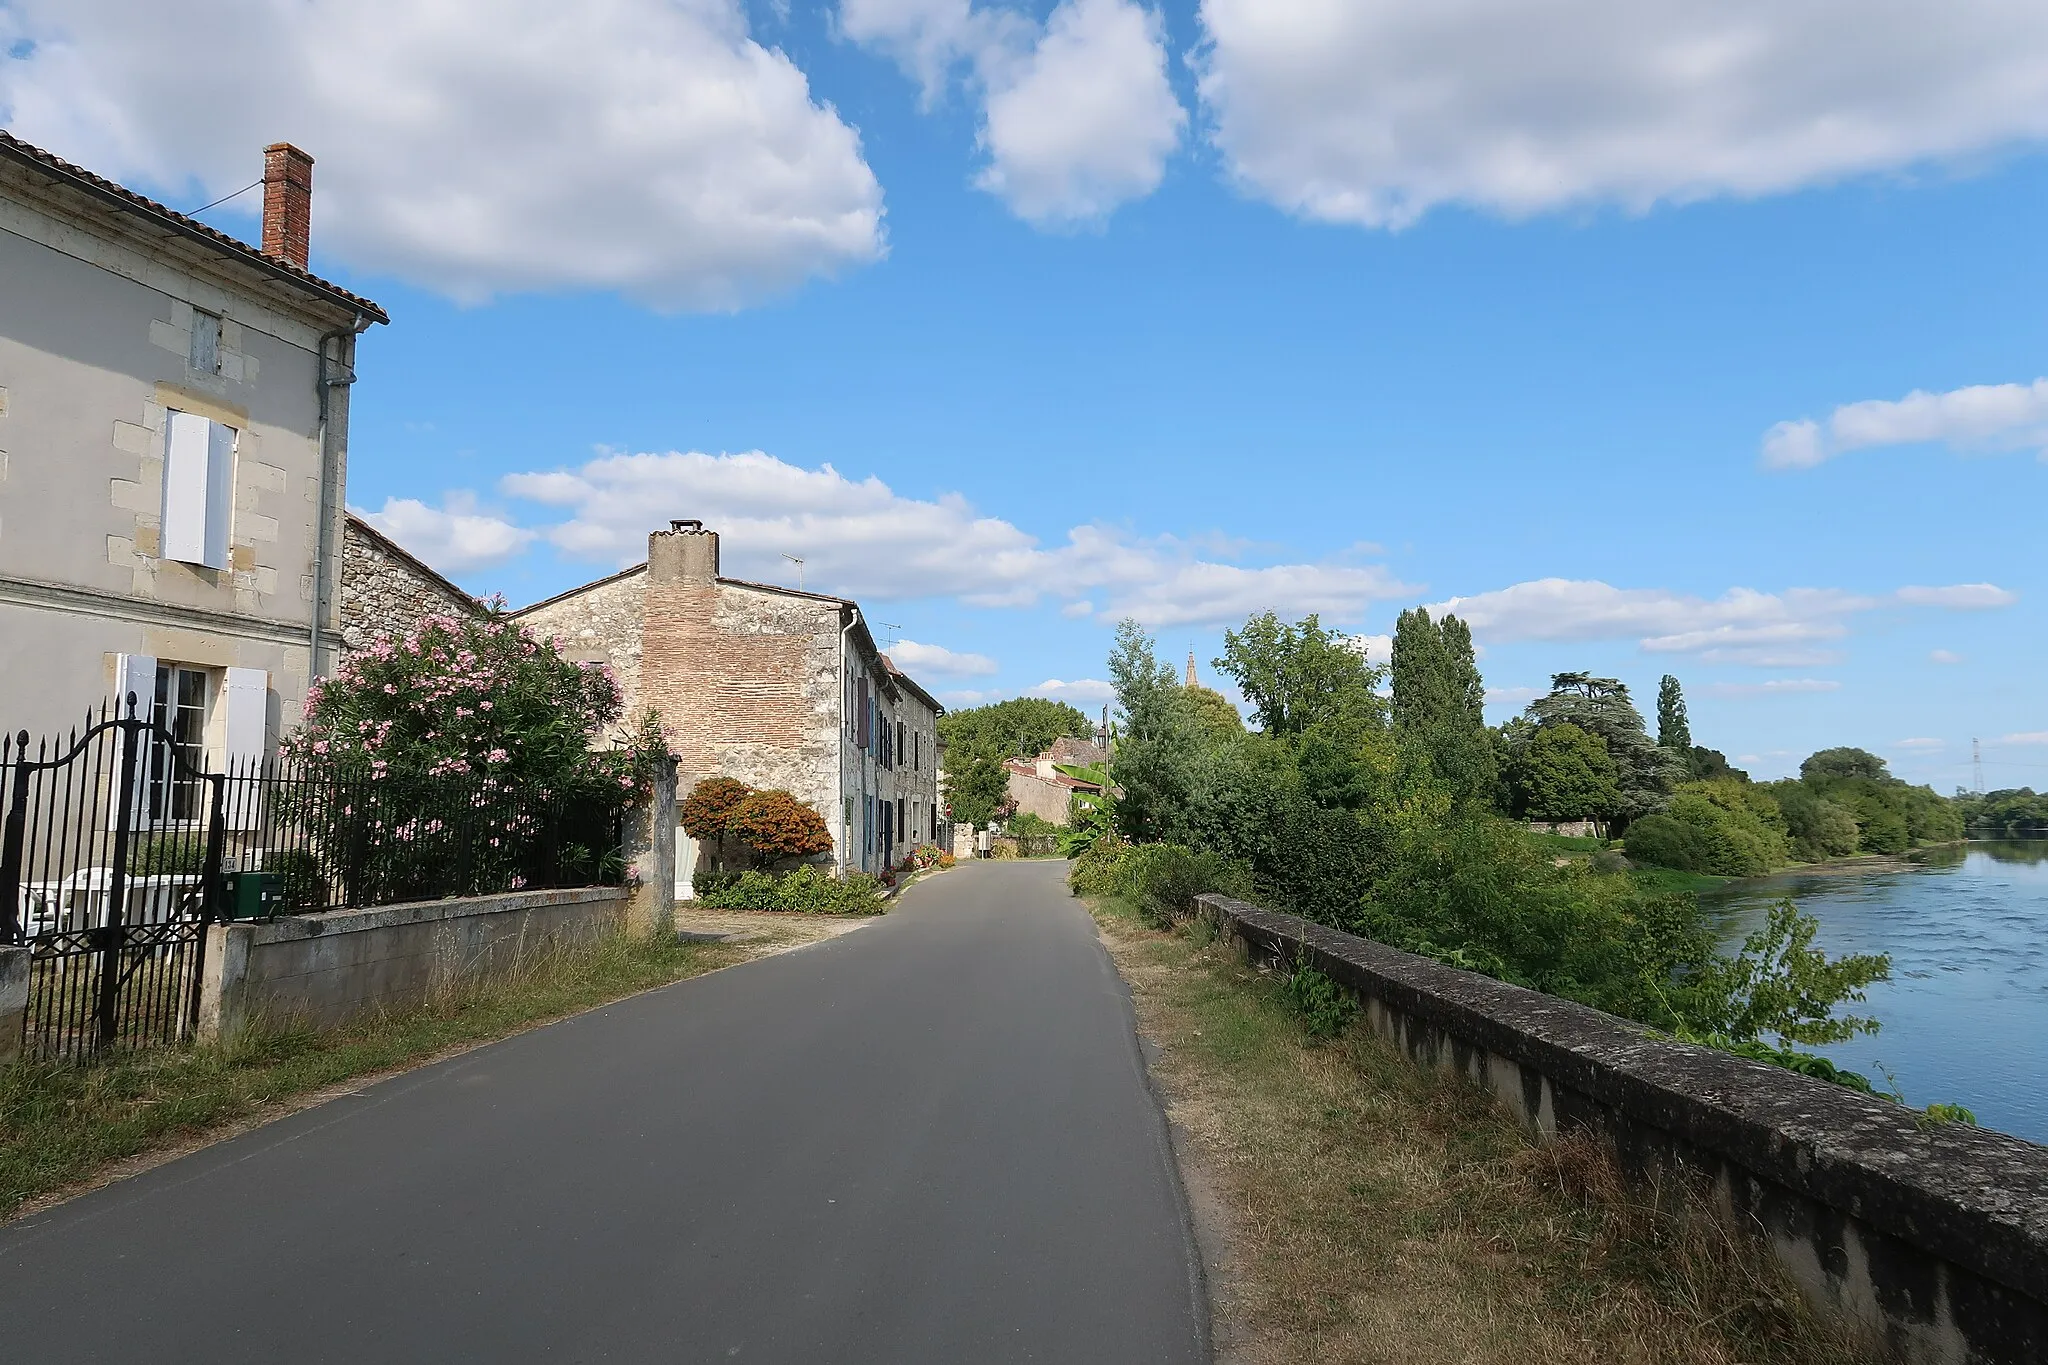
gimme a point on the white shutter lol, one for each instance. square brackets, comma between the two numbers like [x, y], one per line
[220, 494]
[247, 698]
[135, 673]
[188, 440]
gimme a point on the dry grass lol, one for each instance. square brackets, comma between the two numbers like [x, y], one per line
[1376, 1211]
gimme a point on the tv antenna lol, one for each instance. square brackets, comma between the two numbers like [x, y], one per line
[798, 561]
[896, 633]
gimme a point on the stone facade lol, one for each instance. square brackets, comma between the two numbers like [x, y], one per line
[387, 591]
[770, 685]
[152, 368]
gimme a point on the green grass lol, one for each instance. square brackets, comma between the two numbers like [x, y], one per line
[1565, 845]
[1668, 879]
[61, 1125]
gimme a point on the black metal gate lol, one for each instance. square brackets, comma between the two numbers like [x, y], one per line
[110, 870]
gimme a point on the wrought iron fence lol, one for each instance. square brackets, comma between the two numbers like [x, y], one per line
[118, 848]
[321, 841]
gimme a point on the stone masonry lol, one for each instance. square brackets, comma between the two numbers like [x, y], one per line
[387, 591]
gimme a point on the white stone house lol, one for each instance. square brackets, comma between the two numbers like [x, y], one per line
[174, 420]
[775, 686]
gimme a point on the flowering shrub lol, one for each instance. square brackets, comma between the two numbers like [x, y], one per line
[457, 758]
[468, 698]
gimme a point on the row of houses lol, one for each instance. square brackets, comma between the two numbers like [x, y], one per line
[174, 427]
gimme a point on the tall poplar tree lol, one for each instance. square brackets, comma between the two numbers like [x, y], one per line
[1673, 732]
[1439, 702]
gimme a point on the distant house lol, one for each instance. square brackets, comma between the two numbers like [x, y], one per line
[1038, 787]
[174, 415]
[771, 685]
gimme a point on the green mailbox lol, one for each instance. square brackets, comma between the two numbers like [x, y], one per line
[254, 895]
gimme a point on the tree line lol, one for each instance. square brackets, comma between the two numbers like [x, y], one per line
[1396, 814]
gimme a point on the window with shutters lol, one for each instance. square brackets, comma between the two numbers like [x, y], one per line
[199, 489]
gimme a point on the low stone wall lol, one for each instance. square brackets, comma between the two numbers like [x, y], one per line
[327, 969]
[14, 968]
[1932, 1239]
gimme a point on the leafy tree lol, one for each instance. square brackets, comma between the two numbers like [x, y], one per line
[1673, 730]
[1439, 702]
[1817, 828]
[1662, 841]
[1741, 828]
[1300, 675]
[1021, 727]
[980, 793]
[773, 826]
[1781, 985]
[1709, 765]
[1644, 773]
[1565, 774]
[1830, 766]
[1212, 711]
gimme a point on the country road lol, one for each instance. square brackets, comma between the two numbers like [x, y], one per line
[930, 1140]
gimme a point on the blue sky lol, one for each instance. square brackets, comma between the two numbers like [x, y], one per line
[1652, 349]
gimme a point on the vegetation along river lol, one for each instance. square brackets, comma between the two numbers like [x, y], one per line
[1965, 1013]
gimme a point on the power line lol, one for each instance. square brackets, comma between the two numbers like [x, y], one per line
[224, 199]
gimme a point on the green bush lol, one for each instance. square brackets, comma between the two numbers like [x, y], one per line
[1161, 880]
[808, 890]
[1325, 1008]
[176, 853]
[1662, 841]
[303, 886]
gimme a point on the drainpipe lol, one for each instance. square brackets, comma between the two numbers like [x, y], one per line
[846, 700]
[321, 387]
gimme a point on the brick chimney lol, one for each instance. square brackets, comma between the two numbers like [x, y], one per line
[287, 203]
[686, 554]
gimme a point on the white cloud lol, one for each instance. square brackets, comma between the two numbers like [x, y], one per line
[1774, 687]
[1511, 696]
[1744, 626]
[1944, 656]
[1375, 111]
[917, 658]
[1079, 690]
[473, 147]
[862, 539]
[2027, 737]
[1960, 596]
[1077, 116]
[1979, 419]
[1074, 611]
[1088, 121]
[1918, 744]
[454, 537]
[1377, 649]
[967, 696]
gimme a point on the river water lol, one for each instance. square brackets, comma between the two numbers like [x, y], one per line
[1965, 1013]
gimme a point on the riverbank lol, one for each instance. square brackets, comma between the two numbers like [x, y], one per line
[1356, 1207]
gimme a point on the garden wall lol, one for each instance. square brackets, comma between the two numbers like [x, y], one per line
[1932, 1239]
[329, 968]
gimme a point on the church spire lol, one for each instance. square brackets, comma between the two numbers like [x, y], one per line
[1191, 668]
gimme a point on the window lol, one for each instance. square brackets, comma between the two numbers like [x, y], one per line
[899, 819]
[175, 786]
[205, 355]
[199, 489]
[899, 736]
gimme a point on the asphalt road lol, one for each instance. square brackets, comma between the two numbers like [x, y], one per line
[927, 1141]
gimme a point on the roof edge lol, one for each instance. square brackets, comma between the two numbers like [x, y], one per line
[128, 201]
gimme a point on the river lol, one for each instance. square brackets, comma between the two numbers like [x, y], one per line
[1965, 1013]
